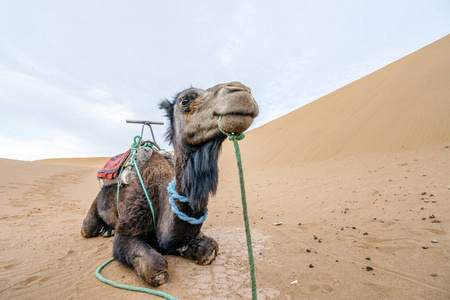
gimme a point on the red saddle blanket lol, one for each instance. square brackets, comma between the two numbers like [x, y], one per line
[113, 165]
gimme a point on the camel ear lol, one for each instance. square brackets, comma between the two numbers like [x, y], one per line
[168, 107]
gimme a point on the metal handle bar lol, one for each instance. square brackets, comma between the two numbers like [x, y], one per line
[145, 122]
[149, 124]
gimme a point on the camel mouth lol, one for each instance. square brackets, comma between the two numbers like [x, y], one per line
[239, 114]
[236, 122]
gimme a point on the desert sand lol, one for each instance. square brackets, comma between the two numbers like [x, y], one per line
[360, 180]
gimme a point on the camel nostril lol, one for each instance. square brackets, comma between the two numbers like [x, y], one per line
[234, 88]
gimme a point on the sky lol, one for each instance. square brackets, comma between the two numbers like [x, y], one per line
[72, 72]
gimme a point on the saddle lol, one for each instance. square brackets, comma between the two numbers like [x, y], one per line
[110, 173]
[112, 167]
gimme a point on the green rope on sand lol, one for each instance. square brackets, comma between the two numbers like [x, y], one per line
[129, 287]
[235, 138]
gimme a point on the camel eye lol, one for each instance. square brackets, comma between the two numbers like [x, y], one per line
[188, 98]
[185, 102]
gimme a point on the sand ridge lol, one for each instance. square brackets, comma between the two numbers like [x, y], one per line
[404, 105]
[360, 180]
[93, 162]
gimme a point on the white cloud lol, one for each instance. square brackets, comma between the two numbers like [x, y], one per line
[39, 119]
[228, 54]
[26, 60]
[34, 92]
[236, 32]
[108, 115]
[99, 94]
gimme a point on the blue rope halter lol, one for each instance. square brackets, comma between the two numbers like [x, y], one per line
[171, 188]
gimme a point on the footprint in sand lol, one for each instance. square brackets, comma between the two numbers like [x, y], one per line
[229, 275]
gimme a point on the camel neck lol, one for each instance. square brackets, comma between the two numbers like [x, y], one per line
[197, 173]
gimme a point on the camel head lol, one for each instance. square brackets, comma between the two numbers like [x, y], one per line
[194, 113]
[195, 134]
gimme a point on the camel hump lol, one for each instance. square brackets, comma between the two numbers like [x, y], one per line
[129, 173]
[168, 156]
[143, 155]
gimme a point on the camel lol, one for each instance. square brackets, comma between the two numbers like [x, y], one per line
[193, 131]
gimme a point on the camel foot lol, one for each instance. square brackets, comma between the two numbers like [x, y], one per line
[209, 258]
[107, 232]
[153, 269]
[148, 264]
[159, 279]
[203, 250]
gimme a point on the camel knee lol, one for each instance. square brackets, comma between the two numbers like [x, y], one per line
[89, 230]
[148, 264]
[92, 225]
[203, 249]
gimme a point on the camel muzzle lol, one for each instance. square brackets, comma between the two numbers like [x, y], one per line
[238, 109]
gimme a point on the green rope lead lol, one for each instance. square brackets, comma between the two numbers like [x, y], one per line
[132, 162]
[235, 138]
[146, 195]
[129, 287]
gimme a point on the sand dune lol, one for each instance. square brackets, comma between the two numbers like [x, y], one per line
[402, 106]
[93, 162]
[360, 178]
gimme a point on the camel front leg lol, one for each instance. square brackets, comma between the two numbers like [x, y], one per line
[202, 249]
[137, 254]
[93, 223]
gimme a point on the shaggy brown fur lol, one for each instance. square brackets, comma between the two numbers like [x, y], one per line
[193, 131]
